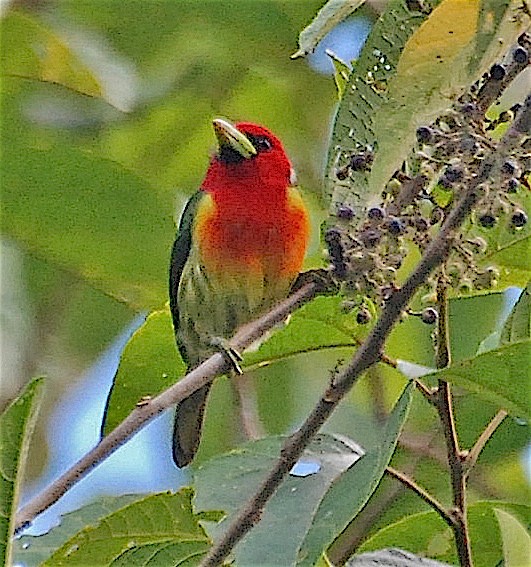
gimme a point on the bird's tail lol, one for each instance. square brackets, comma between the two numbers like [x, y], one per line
[187, 426]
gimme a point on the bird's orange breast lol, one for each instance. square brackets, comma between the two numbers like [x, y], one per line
[251, 243]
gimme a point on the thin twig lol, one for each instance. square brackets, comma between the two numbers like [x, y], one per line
[473, 454]
[426, 496]
[145, 412]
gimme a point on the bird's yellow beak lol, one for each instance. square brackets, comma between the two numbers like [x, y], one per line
[231, 139]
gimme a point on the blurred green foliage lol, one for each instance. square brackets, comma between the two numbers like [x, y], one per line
[125, 92]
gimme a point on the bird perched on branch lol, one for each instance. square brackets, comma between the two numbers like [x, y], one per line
[240, 246]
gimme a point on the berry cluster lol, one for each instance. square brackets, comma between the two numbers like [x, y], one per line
[447, 156]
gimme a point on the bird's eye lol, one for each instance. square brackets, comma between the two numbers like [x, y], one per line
[261, 143]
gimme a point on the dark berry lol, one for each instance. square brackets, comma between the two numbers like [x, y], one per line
[487, 220]
[437, 215]
[512, 185]
[429, 316]
[361, 162]
[520, 56]
[421, 224]
[445, 182]
[370, 238]
[469, 145]
[376, 213]
[497, 72]
[345, 212]
[342, 173]
[509, 168]
[518, 219]
[469, 109]
[395, 226]
[363, 317]
[453, 173]
[424, 134]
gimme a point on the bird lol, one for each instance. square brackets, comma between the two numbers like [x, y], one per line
[240, 246]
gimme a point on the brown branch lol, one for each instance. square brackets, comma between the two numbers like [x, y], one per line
[446, 413]
[145, 412]
[370, 351]
[426, 496]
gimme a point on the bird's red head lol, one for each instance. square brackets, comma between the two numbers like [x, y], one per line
[250, 159]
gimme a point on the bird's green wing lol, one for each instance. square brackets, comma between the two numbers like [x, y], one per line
[181, 251]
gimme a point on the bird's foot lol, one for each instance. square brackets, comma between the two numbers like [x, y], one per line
[231, 354]
[322, 278]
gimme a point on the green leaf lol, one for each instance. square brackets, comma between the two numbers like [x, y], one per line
[500, 375]
[342, 72]
[365, 98]
[331, 14]
[32, 550]
[516, 540]
[518, 324]
[427, 534]
[228, 481]
[158, 527]
[351, 490]
[432, 69]
[91, 217]
[31, 50]
[16, 425]
[150, 363]
[320, 324]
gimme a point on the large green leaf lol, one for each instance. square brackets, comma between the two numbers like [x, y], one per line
[365, 98]
[516, 540]
[321, 324]
[16, 426]
[90, 216]
[160, 529]
[228, 481]
[350, 491]
[500, 375]
[427, 534]
[31, 50]
[150, 363]
[31, 550]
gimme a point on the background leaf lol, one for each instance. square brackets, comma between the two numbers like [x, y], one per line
[227, 482]
[517, 327]
[350, 491]
[150, 363]
[500, 375]
[118, 232]
[158, 527]
[516, 540]
[31, 550]
[427, 534]
[16, 426]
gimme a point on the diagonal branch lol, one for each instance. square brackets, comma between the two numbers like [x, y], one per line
[145, 412]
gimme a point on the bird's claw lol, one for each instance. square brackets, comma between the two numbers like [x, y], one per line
[231, 354]
[322, 278]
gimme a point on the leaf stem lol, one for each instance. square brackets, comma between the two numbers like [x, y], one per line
[426, 496]
[488, 432]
